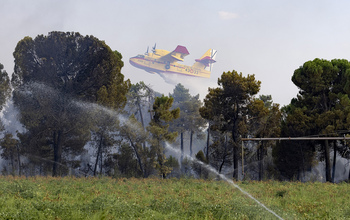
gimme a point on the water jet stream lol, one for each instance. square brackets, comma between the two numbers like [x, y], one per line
[86, 106]
[211, 169]
[206, 166]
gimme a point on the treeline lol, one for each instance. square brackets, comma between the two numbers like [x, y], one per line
[81, 117]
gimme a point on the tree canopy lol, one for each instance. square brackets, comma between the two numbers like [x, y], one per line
[74, 103]
[227, 105]
[54, 72]
[189, 121]
[5, 89]
[158, 128]
[322, 107]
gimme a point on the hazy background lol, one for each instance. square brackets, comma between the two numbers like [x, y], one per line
[268, 38]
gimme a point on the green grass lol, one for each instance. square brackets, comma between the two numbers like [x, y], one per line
[106, 198]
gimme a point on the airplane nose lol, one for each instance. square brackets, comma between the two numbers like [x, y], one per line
[131, 61]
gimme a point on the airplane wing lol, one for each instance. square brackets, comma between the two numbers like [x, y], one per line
[176, 55]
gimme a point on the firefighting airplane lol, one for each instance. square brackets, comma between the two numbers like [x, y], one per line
[165, 62]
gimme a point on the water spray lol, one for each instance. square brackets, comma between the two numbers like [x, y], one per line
[123, 120]
[206, 166]
[211, 169]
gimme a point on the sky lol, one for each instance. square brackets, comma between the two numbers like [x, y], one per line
[267, 38]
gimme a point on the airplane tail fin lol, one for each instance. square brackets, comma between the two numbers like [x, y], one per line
[206, 61]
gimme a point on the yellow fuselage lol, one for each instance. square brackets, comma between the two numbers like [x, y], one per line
[154, 63]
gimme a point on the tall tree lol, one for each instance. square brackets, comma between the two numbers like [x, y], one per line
[5, 89]
[103, 131]
[322, 101]
[194, 120]
[221, 150]
[138, 97]
[227, 106]
[181, 97]
[292, 158]
[11, 152]
[158, 129]
[55, 125]
[66, 67]
[264, 121]
[134, 133]
[190, 121]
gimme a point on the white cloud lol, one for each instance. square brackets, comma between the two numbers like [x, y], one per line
[224, 15]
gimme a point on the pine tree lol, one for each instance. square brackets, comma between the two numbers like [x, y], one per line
[52, 75]
[158, 129]
[226, 107]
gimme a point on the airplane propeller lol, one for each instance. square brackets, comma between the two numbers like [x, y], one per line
[147, 51]
[213, 54]
[154, 48]
[212, 57]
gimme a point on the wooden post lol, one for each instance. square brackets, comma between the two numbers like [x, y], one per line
[242, 161]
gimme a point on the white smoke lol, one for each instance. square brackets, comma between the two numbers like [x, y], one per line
[9, 118]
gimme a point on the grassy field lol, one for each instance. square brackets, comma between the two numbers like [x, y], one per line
[106, 198]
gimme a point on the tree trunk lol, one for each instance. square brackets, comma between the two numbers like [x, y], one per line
[141, 118]
[161, 164]
[12, 163]
[303, 161]
[235, 151]
[235, 162]
[207, 153]
[150, 107]
[182, 147]
[140, 110]
[98, 155]
[328, 162]
[191, 137]
[19, 161]
[224, 155]
[138, 158]
[261, 161]
[334, 163]
[57, 152]
[101, 162]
